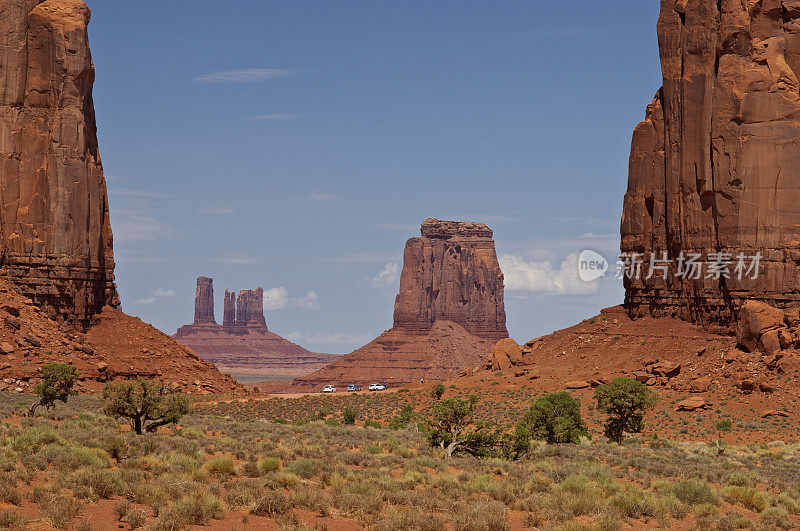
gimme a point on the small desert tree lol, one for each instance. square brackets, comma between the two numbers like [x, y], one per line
[146, 404]
[452, 428]
[555, 418]
[625, 402]
[58, 380]
[349, 414]
[438, 391]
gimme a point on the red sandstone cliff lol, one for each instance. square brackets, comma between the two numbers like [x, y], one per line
[715, 166]
[448, 315]
[54, 224]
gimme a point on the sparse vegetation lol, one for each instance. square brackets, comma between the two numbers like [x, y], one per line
[438, 391]
[554, 418]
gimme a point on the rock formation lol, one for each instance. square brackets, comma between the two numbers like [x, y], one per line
[448, 314]
[204, 301]
[714, 168]
[250, 308]
[229, 309]
[54, 223]
[243, 344]
[451, 273]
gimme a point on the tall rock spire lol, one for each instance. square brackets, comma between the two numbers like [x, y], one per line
[54, 224]
[204, 301]
[229, 310]
[250, 308]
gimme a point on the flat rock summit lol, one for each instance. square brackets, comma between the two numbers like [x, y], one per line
[448, 314]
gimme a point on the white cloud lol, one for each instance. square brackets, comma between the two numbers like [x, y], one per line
[246, 75]
[388, 277]
[216, 211]
[236, 259]
[320, 338]
[522, 275]
[279, 298]
[129, 226]
[315, 196]
[155, 295]
[271, 117]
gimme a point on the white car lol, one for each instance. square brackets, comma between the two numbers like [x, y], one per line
[377, 387]
[329, 389]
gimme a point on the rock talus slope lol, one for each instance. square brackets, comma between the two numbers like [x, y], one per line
[54, 222]
[448, 314]
[715, 166]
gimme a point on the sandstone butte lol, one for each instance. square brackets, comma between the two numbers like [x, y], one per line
[448, 314]
[58, 294]
[243, 344]
[715, 165]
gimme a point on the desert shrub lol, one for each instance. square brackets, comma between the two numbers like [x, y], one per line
[624, 401]
[136, 518]
[121, 509]
[8, 490]
[724, 425]
[349, 414]
[146, 404]
[775, 518]
[372, 424]
[482, 514]
[635, 503]
[306, 468]
[58, 380]
[32, 439]
[555, 418]
[740, 479]
[61, 510]
[692, 491]
[747, 497]
[272, 504]
[403, 419]
[438, 391]
[403, 518]
[197, 508]
[13, 520]
[220, 465]
[312, 500]
[269, 464]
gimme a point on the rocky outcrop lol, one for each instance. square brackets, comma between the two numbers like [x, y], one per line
[715, 166]
[204, 301]
[243, 344]
[229, 309]
[451, 273]
[448, 315]
[54, 223]
[250, 308]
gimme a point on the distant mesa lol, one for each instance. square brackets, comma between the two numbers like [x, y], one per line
[448, 314]
[243, 344]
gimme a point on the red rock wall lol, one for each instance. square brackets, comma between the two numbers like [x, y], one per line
[229, 311]
[451, 273]
[715, 166]
[250, 308]
[54, 223]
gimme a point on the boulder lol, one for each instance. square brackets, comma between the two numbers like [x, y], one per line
[775, 413]
[755, 319]
[506, 354]
[692, 404]
[701, 385]
[578, 384]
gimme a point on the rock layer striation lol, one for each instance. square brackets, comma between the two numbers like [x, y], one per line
[54, 223]
[715, 165]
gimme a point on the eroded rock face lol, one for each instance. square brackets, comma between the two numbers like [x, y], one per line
[451, 273]
[54, 224]
[250, 308]
[715, 166]
[204, 301]
[229, 309]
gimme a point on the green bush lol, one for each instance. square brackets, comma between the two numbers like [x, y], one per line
[555, 418]
[438, 391]
[269, 464]
[58, 380]
[146, 404]
[349, 414]
[625, 402]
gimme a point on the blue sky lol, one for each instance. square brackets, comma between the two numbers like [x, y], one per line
[297, 145]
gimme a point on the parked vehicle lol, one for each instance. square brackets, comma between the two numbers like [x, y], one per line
[329, 389]
[377, 387]
[353, 388]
